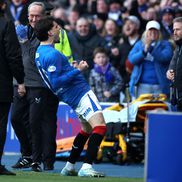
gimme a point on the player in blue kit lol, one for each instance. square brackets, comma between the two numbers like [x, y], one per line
[69, 85]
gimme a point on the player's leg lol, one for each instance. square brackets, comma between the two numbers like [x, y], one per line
[78, 145]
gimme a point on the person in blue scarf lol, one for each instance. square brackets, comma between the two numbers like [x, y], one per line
[104, 79]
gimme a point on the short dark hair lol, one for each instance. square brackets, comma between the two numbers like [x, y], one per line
[100, 50]
[42, 27]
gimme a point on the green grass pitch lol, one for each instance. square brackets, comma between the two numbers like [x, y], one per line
[55, 177]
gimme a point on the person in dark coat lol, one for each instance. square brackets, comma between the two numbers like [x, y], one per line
[130, 37]
[17, 11]
[174, 72]
[83, 41]
[168, 15]
[10, 66]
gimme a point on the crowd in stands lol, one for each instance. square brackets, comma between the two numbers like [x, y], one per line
[116, 25]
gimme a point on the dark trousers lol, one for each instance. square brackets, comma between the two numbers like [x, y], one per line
[4, 110]
[20, 122]
[35, 113]
[49, 128]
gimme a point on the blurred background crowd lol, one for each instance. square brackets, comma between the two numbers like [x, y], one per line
[117, 26]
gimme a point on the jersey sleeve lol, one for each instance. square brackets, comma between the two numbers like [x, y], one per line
[58, 73]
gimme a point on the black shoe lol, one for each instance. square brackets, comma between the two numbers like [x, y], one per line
[48, 167]
[36, 167]
[23, 162]
[4, 171]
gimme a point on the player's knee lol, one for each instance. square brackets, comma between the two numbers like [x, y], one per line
[101, 130]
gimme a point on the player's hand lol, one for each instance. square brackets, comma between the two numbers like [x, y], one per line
[75, 64]
[82, 65]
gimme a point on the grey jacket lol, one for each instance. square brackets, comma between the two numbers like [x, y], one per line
[32, 76]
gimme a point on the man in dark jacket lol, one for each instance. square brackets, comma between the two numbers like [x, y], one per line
[38, 106]
[83, 41]
[174, 73]
[17, 11]
[168, 14]
[130, 37]
[10, 66]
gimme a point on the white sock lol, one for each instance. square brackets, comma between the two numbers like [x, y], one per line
[86, 166]
[69, 166]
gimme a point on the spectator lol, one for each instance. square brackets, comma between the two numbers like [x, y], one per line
[82, 5]
[10, 65]
[73, 16]
[60, 14]
[111, 36]
[115, 11]
[139, 9]
[151, 14]
[178, 11]
[39, 102]
[99, 21]
[102, 7]
[165, 3]
[79, 5]
[83, 41]
[142, 8]
[174, 73]
[128, 5]
[150, 57]
[104, 79]
[70, 87]
[72, 3]
[130, 37]
[63, 46]
[167, 22]
[16, 10]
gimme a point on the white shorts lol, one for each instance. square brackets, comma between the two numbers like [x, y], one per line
[88, 106]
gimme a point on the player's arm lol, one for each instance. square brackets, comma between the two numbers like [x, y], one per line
[55, 69]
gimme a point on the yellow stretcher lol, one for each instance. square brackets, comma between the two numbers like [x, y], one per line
[127, 144]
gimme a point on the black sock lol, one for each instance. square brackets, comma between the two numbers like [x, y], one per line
[77, 147]
[93, 146]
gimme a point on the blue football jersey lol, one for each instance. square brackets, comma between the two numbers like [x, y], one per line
[63, 79]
